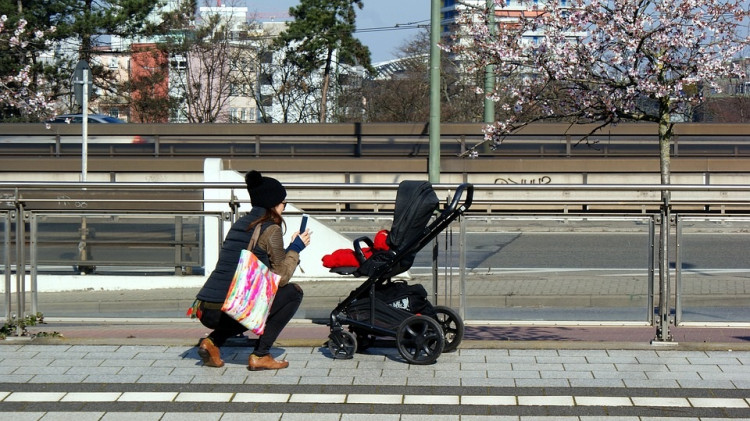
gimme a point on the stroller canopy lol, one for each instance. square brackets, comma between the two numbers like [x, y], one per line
[415, 203]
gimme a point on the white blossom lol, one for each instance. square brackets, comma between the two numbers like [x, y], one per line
[610, 55]
[15, 89]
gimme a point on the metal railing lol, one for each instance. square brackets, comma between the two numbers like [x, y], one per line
[27, 202]
[368, 139]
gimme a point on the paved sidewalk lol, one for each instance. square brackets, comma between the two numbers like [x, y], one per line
[161, 382]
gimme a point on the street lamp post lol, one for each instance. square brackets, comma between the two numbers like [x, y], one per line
[434, 157]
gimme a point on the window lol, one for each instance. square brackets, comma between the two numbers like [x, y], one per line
[113, 63]
[178, 63]
[266, 79]
[238, 89]
[266, 100]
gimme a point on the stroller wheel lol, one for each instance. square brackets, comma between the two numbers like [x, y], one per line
[453, 327]
[342, 344]
[420, 340]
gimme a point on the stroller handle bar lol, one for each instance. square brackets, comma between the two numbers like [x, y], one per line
[469, 189]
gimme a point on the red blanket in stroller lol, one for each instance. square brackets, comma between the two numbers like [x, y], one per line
[346, 257]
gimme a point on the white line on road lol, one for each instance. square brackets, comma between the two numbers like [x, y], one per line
[390, 399]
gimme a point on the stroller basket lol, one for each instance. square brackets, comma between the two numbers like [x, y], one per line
[382, 307]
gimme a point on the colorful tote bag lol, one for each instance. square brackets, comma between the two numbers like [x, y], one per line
[252, 290]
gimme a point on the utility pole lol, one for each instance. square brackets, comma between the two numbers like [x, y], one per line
[434, 157]
[489, 74]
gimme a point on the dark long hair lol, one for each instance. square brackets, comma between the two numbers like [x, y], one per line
[270, 216]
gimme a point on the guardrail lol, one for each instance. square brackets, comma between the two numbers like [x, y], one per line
[374, 197]
[26, 203]
[367, 140]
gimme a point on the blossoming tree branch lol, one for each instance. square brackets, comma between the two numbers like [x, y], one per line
[17, 90]
[601, 62]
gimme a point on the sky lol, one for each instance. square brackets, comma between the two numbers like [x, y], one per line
[376, 22]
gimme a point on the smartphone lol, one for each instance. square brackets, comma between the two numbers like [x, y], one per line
[303, 225]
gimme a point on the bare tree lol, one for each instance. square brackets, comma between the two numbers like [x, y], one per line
[204, 87]
[403, 94]
[282, 92]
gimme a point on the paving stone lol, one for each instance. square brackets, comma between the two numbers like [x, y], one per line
[335, 380]
[370, 417]
[72, 416]
[307, 417]
[567, 375]
[379, 381]
[487, 382]
[22, 362]
[129, 416]
[599, 383]
[565, 360]
[57, 378]
[106, 378]
[17, 378]
[542, 383]
[224, 379]
[94, 370]
[242, 416]
[665, 384]
[444, 381]
[528, 374]
[150, 371]
[34, 369]
[75, 362]
[164, 379]
[192, 416]
[707, 384]
[23, 416]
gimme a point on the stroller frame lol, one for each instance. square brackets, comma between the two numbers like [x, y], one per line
[420, 338]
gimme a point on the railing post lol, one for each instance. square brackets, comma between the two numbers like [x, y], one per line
[651, 268]
[462, 266]
[435, 274]
[179, 269]
[33, 263]
[9, 217]
[234, 205]
[678, 273]
[20, 265]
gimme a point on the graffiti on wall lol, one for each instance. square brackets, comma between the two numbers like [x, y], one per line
[545, 179]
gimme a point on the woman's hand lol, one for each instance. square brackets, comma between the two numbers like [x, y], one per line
[305, 236]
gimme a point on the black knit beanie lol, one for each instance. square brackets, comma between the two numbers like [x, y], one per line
[265, 192]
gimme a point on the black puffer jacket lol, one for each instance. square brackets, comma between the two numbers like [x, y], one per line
[270, 250]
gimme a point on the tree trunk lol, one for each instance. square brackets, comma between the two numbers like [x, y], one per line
[324, 91]
[86, 33]
[665, 138]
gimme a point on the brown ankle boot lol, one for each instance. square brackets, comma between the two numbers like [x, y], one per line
[265, 362]
[210, 353]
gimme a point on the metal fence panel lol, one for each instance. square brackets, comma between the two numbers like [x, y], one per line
[712, 270]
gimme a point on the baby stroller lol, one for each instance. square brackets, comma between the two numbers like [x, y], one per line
[382, 307]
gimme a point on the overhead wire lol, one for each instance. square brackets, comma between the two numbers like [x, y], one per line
[397, 27]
